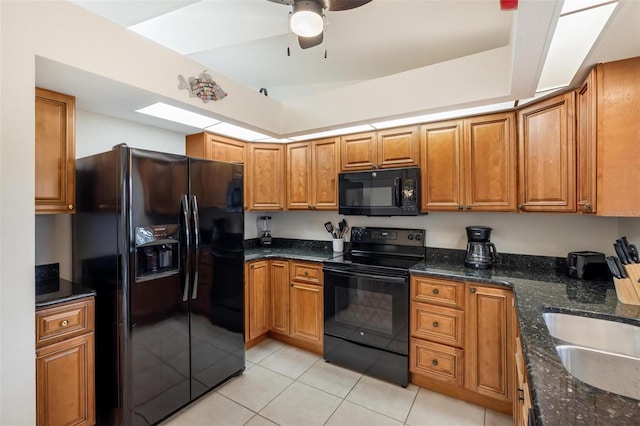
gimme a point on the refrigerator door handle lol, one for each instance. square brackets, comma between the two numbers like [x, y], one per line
[196, 243]
[184, 201]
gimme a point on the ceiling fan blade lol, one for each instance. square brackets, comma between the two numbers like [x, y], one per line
[286, 2]
[335, 5]
[307, 42]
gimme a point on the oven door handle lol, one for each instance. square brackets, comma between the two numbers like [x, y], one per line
[364, 275]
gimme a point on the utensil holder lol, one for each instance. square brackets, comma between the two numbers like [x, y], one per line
[338, 245]
[627, 291]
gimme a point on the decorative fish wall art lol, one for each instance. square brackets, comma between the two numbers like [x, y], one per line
[203, 87]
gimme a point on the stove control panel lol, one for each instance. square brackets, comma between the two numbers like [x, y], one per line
[395, 236]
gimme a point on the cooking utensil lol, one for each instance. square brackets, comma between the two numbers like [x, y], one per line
[623, 273]
[625, 250]
[343, 228]
[620, 253]
[329, 227]
[613, 267]
[633, 250]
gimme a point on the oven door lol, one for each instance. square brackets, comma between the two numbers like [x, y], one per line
[370, 309]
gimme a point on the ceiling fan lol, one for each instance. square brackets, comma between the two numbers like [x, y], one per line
[307, 17]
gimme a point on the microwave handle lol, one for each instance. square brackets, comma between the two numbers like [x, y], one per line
[396, 185]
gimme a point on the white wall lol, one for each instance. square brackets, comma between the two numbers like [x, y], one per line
[524, 233]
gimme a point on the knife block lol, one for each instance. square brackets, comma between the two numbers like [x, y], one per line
[628, 289]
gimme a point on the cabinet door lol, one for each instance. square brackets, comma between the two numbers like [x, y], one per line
[359, 151]
[489, 163]
[306, 312]
[299, 176]
[399, 147]
[225, 149]
[325, 166]
[65, 382]
[547, 178]
[586, 144]
[441, 169]
[619, 138]
[265, 176]
[489, 342]
[55, 171]
[257, 308]
[279, 296]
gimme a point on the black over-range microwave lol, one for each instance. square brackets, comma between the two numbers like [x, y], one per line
[385, 192]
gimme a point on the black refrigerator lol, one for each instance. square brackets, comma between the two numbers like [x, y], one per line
[160, 238]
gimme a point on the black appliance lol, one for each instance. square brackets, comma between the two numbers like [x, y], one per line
[366, 302]
[160, 238]
[587, 265]
[386, 192]
[481, 252]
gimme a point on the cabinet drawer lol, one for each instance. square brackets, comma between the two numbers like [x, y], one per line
[438, 324]
[437, 291]
[63, 321]
[436, 361]
[306, 272]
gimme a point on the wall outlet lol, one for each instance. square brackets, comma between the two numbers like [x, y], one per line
[309, 225]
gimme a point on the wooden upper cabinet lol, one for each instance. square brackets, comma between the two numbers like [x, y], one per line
[312, 175]
[215, 147]
[586, 154]
[469, 164]
[55, 155]
[441, 171]
[265, 176]
[489, 162]
[398, 147]
[359, 151]
[618, 138]
[546, 145]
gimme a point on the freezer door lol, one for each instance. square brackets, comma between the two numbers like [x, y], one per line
[156, 349]
[217, 296]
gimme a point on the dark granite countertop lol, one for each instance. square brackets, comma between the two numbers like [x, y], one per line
[558, 398]
[57, 290]
[311, 254]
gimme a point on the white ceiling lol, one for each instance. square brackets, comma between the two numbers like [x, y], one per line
[247, 40]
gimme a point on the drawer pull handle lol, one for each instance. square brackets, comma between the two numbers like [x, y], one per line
[436, 291]
[434, 362]
[435, 324]
[64, 323]
[306, 273]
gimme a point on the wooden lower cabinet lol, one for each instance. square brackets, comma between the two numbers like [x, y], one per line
[461, 341]
[65, 364]
[293, 309]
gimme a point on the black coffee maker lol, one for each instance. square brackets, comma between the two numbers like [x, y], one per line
[481, 253]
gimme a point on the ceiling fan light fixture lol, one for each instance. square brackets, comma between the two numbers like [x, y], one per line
[306, 19]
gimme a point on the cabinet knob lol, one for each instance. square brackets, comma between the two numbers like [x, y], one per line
[473, 290]
[306, 273]
[70, 206]
[435, 324]
[460, 207]
[587, 207]
[469, 206]
[435, 291]
[64, 323]
[520, 394]
[291, 285]
[520, 207]
[252, 266]
[434, 362]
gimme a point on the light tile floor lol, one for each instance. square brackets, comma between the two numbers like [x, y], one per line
[283, 385]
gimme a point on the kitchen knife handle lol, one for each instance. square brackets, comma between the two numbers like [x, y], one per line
[625, 250]
[623, 273]
[613, 268]
[620, 253]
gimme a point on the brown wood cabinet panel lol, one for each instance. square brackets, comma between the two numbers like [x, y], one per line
[586, 147]
[325, 166]
[359, 151]
[299, 176]
[438, 291]
[547, 180]
[490, 163]
[257, 297]
[618, 105]
[60, 322]
[306, 312]
[65, 382]
[437, 324]
[489, 341]
[439, 362]
[215, 147]
[55, 156]
[306, 272]
[399, 147]
[440, 166]
[265, 177]
[280, 285]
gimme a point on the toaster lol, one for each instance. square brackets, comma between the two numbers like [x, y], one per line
[587, 265]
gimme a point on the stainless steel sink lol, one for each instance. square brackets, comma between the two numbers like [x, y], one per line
[612, 372]
[604, 354]
[609, 336]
